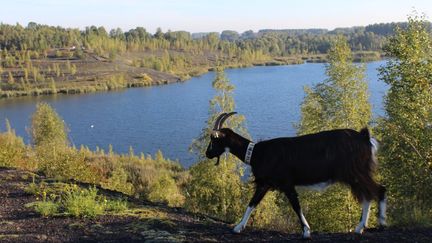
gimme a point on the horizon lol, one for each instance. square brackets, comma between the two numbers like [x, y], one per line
[205, 16]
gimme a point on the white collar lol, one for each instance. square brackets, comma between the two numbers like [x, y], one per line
[249, 152]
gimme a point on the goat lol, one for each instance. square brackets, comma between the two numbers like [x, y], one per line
[337, 156]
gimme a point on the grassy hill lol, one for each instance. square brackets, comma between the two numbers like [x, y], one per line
[142, 221]
[62, 70]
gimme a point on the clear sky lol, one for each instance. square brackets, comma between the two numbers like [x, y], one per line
[210, 15]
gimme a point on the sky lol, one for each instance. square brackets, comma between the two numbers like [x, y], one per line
[210, 15]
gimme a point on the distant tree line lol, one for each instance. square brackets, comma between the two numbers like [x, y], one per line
[39, 37]
[32, 58]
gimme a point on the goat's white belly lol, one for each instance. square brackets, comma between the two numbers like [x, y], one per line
[317, 187]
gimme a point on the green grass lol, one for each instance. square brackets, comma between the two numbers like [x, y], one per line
[72, 200]
[83, 203]
[46, 208]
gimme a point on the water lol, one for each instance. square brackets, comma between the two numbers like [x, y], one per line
[168, 117]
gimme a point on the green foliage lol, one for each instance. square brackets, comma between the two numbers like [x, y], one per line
[119, 181]
[165, 189]
[222, 102]
[273, 212]
[115, 206]
[217, 190]
[47, 128]
[12, 149]
[83, 203]
[45, 208]
[65, 163]
[341, 101]
[153, 178]
[406, 133]
[69, 199]
[116, 82]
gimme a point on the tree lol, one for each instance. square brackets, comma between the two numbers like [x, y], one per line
[406, 131]
[341, 101]
[229, 35]
[159, 34]
[13, 149]
[11, 79]
[47, 128]
[217, 190]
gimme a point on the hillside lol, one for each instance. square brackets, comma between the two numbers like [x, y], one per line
[39, 59]
[146, 222]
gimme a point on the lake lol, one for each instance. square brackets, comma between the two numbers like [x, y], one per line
[168, 117]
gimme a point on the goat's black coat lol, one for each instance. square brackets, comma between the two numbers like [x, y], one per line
[342, 155]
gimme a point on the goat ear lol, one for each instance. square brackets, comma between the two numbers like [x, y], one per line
[215, 134]
[218, 134]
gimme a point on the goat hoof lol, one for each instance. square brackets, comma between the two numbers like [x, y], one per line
[382, 227]
[359, 229]
[238, 229]
[382, 223]
[306, 235]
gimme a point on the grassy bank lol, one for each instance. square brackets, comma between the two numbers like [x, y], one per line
[68, 72]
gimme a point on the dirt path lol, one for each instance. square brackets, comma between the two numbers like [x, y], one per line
[148, 223]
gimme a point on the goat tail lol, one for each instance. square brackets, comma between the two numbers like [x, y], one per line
[364, 132]
[372, 141]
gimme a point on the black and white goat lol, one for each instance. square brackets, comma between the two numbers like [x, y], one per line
[343, 155]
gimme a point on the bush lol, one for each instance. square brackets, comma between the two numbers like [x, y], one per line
[72, 200]
[47, 127]
[153, 179]
[270, 213]
[118, 181]
[46, 208]
[115, 206]
[164, 189]
[406, 131]
[65, 163]
[12, 149]
[216, 190]
[83, 202]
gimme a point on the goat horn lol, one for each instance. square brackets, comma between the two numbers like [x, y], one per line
[217, 122]
[224, 118]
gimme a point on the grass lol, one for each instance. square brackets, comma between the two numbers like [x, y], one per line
[71, 200]
[46, 208]
[83, 203]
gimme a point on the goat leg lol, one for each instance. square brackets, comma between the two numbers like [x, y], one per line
[295, 204]
[259, 194]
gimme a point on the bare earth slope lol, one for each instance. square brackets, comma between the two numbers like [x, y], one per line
[147, 222]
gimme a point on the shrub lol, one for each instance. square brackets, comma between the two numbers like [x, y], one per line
[216, 190]
[115, 206]
[65, 163]
[72, 200]
[12, 149]
[165, 189]
[47, 127]
[82, 202]
[46, 208]
[118, 181]
[406, 131]
[153, 179]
